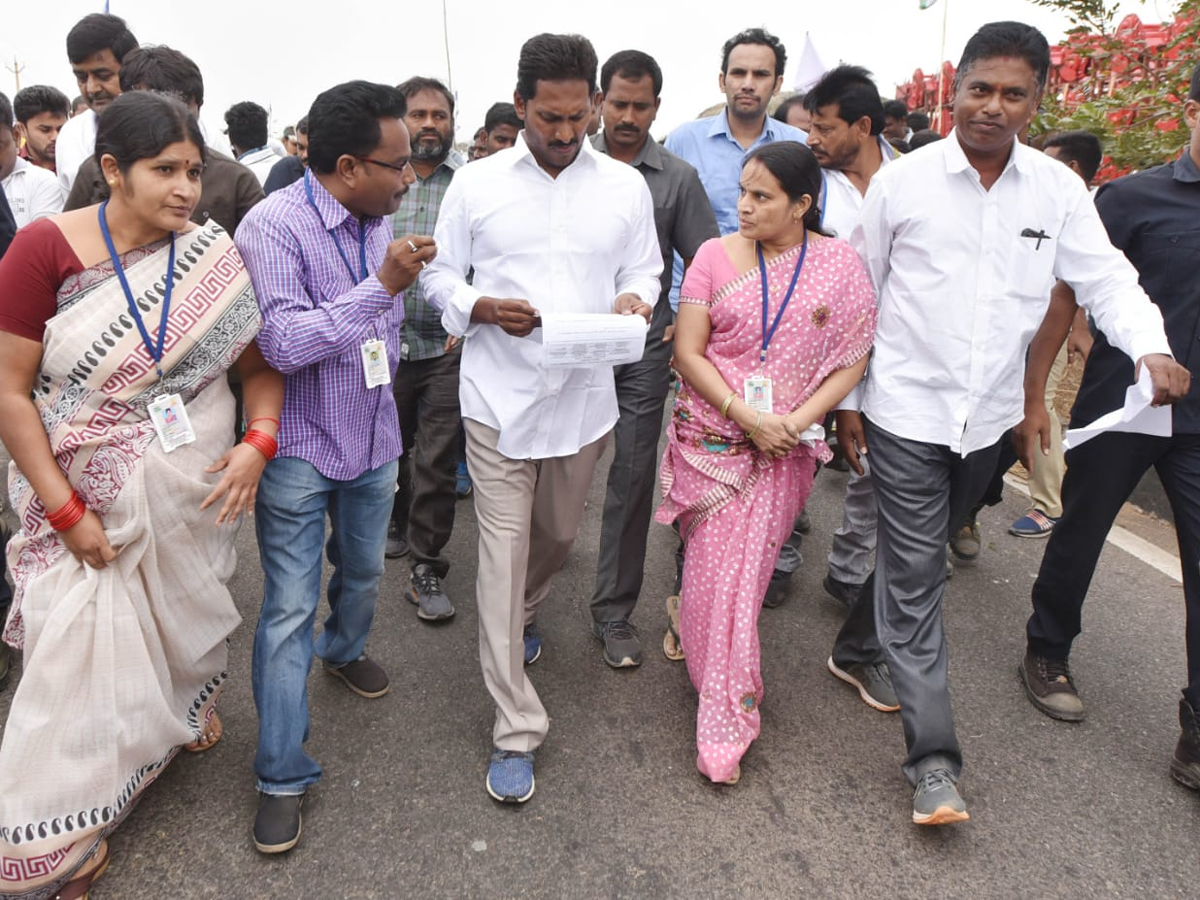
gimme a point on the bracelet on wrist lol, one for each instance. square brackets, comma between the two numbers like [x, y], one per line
[250, 424]
[262, 442]
[753, 431]
[728, 401]
[68, 515]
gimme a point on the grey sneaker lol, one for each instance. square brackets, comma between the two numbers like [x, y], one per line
[873, 681]
[396, 546]
[278, 823]
[1049, 687]
[426, 592]
[936, 800]
[622, 648]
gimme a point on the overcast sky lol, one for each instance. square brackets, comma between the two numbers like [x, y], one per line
[282, 55]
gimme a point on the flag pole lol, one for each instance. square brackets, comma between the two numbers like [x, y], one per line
[941, 101]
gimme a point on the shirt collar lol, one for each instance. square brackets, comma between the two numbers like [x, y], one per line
[650, 154]
[522, 155]
[332, 212]
[451, 163]
[956, 158]
[1185, 167]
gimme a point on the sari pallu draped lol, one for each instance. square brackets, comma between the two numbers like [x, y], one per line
[122, 665]
[735, 505]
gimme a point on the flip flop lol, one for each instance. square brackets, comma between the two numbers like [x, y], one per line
[672, 647]
[77, 888]
[213, 729]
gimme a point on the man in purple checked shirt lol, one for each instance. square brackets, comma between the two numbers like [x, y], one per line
[330, 285]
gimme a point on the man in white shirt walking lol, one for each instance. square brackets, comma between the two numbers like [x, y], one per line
[32, 192]
[550, 226]
[962, 241]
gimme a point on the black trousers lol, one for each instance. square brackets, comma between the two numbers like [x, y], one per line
[1101, 475]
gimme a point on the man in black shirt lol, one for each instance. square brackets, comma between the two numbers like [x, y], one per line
[1154, 217]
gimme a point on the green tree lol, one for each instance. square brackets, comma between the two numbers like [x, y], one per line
[1129, 94]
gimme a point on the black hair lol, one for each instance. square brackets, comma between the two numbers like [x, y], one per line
[782, 110]
[159, 68]
[798, 173]
[419, 83]
[1015, 39]
[344, 121]
[895, 109]
[6, 112]
[78, 102]
[247, 125]
[1194, 93]
[755, 36]
[634, 65]
[917, 121]
[555, 57]
[302, 125]
[37, 99]
[96, 33]
[141, 124]
[853, 90]
[1080, 147]
[923, 137]
[502, 114]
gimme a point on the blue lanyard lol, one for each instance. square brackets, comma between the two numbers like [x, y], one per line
[155, 350]
[362, 237]
[824, 200]
[762, 268]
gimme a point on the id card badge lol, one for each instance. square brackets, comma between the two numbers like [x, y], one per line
[375, 363]
[171, 422]
[757, 393]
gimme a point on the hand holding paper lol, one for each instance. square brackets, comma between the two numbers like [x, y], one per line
[590, 339]
[1138, 415]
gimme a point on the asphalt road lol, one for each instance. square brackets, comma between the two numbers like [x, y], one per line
[822, 810]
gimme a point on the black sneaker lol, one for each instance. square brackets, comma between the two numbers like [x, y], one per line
[364, 676]
[1049, 687]
[622, 648]
[396, 546]
[790, 559]
[277, 825]
[843, 591]
[426, 592]
[1185, 764]
[873, 682]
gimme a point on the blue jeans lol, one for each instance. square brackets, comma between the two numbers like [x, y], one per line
[293, 498]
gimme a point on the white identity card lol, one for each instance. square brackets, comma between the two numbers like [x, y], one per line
[758, 393]
[375, 363]
[171, 422]
[573, 340]
[1136, 416]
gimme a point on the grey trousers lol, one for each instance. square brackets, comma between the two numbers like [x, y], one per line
[629, 504]
[854, 542]
[426, 392]
[920, 488]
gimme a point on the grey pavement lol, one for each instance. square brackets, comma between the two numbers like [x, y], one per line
[822, 810]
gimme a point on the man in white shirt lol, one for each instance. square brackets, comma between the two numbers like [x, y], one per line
[961, 241]
[246, 125]
[845, 136]
[95, 47]
[550, 226]
[32, 192]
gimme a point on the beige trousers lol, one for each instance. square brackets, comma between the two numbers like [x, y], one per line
[1045, 481]
[528, 512]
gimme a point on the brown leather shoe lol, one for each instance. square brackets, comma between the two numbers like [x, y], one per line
[364, 676]
[1049, 687]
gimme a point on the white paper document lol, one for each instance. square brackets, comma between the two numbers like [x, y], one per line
[592, 339]
[1137, 416]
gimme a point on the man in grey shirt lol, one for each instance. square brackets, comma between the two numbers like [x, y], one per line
[630, 82]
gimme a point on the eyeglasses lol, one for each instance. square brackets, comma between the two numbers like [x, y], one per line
[392, 166]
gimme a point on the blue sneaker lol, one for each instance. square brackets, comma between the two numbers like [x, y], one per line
[510, 776]
[462, 481]
[533, 643]
[1034, 524]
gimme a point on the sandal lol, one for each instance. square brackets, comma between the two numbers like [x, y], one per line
[209, 737]
[79, 886]
[672, 647]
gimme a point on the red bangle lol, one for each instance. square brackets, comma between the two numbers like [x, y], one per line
[68, 515]
[250, 424]
[262, 442]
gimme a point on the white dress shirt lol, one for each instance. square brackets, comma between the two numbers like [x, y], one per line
[963, 286]
[76, 142]
[33, 193]
[569, 244]
[260, 162]
[841, 203]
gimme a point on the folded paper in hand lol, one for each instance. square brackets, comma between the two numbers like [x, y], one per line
[1137, 416]
[592, 339]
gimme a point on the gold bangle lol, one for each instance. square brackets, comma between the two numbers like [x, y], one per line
[728, 401]
[753, 431]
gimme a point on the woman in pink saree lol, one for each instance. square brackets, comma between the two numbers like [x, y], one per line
[775, 325]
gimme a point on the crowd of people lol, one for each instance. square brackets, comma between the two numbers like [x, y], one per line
[345, 339]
